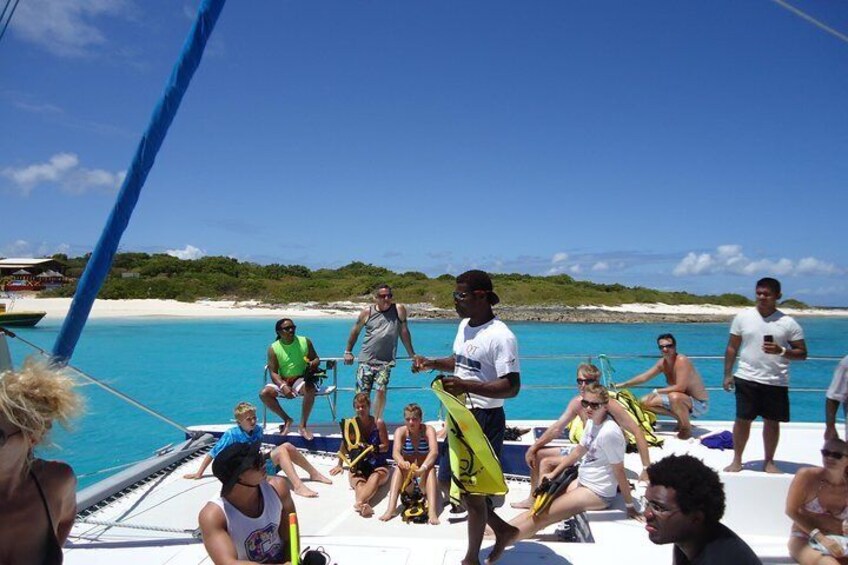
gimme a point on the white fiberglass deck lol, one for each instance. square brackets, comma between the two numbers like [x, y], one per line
[754, 510]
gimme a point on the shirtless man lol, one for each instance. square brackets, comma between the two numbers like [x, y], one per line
[684, 394]
[541, 459]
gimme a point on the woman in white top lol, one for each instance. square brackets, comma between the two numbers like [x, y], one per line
[600, 474]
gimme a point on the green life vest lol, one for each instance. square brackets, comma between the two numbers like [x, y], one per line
[291, 358]
[644, 418]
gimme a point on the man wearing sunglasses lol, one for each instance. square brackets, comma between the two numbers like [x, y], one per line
[485, 368]
[551, 456]
[685, 392]
[384, 323]
[292, 363]
[683, 505]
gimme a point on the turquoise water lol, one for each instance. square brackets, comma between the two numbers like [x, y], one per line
[195, 372]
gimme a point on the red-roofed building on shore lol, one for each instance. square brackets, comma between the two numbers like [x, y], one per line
[28, 274]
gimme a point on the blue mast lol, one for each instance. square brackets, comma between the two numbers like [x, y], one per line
[163, 114]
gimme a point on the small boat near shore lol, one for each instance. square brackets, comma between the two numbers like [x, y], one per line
[22, 319]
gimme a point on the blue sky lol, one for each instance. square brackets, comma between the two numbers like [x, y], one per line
[676, 145]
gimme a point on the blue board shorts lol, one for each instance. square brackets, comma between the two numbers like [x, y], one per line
[699, 407]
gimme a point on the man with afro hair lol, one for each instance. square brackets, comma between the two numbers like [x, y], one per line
[683, 505]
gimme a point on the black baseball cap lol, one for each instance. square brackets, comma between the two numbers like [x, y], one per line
[234, 460]
[479, 280]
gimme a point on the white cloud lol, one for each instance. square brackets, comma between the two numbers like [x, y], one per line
[576, 269]
[18, 248]
[729, 259]
[559, 257]
[67, 29]
[64, 170]
[600, 266]
[813, 266]
[189, 252]
[23, 248]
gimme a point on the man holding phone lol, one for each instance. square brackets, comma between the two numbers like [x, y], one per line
[768, 339]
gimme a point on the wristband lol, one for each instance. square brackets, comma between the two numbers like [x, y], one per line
[782, 351]
[348, 352]
[629, 505]
[814, 533]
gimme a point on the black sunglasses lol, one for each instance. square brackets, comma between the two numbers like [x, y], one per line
[389, 295]
[832, 454]
[592, 405]
[288, 328]
[4, 436]
[666, 346]
[586, 381]
[457, 295]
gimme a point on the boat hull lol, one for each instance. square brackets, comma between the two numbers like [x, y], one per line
[21, 319]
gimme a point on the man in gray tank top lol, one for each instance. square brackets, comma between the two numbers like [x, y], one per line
[384, 322]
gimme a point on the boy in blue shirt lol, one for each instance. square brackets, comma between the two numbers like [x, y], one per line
[246, 432]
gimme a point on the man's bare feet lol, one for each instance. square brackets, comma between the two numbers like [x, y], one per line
[304, 433]
[192, 476]
[734, 467]
[503, 538]
[387, 516]
[365, 510]
[433, 519]
[305, 491]
[525, 504]
[320, 478]
[284, 427]
[770, 467]
[684, 433]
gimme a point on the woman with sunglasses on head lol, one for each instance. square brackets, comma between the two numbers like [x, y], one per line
[37, 497]
[601, 457]
[817, 505]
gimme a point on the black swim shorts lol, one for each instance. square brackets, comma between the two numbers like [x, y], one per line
[757, 399]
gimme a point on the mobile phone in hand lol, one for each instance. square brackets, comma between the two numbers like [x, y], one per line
[768, 339]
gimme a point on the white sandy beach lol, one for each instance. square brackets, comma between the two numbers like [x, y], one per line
[711, 310]
[58, 308]
[155, 308]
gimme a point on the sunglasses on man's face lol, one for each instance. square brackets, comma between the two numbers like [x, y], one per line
[592, 405]
[457, 295]
[385, 296]
[585, 381]
[288, 328]
[666, 346]
[832, 454]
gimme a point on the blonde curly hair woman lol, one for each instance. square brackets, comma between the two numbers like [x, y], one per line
[37, 497]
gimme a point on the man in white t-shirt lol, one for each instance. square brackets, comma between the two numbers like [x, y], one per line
[837, 394]
[485, 368]
[768, 339]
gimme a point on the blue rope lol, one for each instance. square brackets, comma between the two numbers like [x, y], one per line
[163, 114]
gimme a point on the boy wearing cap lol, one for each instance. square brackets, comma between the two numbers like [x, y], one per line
[485, 368]
[248, 522]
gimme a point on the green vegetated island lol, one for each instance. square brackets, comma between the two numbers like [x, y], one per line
[523, 297]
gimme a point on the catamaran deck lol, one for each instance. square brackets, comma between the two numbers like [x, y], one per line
[754, 510]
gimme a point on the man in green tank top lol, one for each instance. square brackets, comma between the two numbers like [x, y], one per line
[292, 363]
